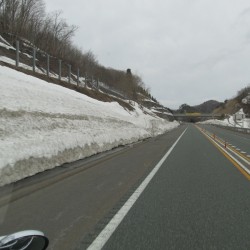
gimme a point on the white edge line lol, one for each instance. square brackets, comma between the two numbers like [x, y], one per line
[221, 143]
[106, 233]
[240, 164]
[242, 158]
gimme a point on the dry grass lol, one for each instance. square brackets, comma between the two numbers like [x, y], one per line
[231, 107]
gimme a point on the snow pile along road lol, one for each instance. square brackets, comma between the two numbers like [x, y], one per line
[237, 120]
[44, 125]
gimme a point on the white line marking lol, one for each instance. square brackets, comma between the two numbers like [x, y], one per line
[106, 233]
[221, 144]
[239, 163]
[237, 154]
[242, 152]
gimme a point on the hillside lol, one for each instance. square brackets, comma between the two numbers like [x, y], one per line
[39, 43]
[229, 106]
[50, 116]
[233, 105]
[235, 112]
[206, 107]
[88, 85]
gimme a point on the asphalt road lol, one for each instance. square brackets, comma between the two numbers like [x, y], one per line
[240, 140]
[197, 200]
[71, 203]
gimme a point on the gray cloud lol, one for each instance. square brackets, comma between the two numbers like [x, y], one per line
[186, 51]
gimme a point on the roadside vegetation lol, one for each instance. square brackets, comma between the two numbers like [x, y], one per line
[233, 105]
[228, 107]
[28, 22]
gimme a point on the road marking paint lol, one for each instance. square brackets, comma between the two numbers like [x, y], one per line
[243, 152]
[236, 163]
[109, 229]
[232, 148]
[245, 171]
[238, 154]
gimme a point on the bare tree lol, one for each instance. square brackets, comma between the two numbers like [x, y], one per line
[9, 11]
[28, 21]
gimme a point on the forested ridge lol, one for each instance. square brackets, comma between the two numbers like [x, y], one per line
[28, 22]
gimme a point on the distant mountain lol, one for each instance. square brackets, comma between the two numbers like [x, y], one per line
[205, 107]
[229, 106]
[208, 106]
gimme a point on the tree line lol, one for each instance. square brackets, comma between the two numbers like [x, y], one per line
[27, 20]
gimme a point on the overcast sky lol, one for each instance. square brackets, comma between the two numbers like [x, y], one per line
[186, 51]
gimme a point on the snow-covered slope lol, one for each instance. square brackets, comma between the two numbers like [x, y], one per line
[44, 125]
[230, 121]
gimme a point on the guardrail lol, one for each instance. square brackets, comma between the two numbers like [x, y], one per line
[242, 130]
[196, 115]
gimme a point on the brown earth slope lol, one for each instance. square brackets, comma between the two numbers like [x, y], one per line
[233, 105]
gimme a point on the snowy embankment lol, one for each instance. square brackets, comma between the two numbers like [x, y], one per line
[44, 125]
[230, 121]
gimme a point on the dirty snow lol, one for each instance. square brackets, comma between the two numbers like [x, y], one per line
[43, 125]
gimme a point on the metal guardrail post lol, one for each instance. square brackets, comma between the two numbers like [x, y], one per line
[17, 53]
[34, 59]
[69, 72]
[47, 65]
[78, 75]
[97, 83]
[60, 70]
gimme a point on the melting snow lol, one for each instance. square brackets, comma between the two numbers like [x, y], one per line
[43, 125]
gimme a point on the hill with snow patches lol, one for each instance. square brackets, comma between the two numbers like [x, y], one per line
[43, 125]
[231, 121]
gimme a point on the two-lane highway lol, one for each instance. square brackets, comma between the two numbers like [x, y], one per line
[164, 193]
[71, 201]
[197, 200]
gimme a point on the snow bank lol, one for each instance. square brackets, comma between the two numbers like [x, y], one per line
[43, 125]
[21, 65]
[230, 121]
[5, 44]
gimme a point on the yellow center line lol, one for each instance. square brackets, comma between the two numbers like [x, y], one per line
[228, 146]
[236, 151]
[226, 155]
